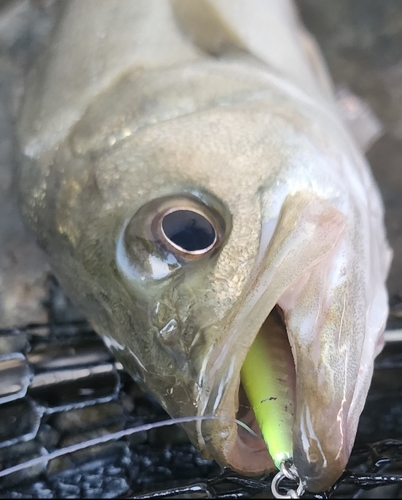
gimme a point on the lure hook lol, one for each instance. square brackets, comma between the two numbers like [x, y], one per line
[287, 471]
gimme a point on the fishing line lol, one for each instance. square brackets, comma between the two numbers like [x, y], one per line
[115, 436]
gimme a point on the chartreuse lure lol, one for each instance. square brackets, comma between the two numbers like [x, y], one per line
[268, 380]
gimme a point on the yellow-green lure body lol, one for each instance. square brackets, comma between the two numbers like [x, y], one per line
[269, 385]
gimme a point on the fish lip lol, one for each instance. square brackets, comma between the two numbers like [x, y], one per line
[312, 465]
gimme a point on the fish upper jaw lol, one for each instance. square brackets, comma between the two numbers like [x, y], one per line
[312, 273]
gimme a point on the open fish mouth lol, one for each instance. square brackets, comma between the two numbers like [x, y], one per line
[297, 310]
[267, 390]
[270, 435]
[265, 438]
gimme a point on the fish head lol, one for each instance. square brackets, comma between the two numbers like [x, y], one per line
[178, 237]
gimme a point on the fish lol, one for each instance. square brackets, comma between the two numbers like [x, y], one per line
[186, 170]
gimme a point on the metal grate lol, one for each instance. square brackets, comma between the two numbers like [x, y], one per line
[61, 387]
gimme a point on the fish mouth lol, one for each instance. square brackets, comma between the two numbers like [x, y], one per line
[266, 397]
[244, 448]
[241, 444]
[295, 274]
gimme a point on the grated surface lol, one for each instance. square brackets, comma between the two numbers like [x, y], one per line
[64, 388]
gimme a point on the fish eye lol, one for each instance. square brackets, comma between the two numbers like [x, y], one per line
[168, 232]
[188, 231]
[185, 226]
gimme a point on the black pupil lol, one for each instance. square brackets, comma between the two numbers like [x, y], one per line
[188, 230]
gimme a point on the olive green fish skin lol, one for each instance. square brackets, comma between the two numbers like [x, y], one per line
[139, 103]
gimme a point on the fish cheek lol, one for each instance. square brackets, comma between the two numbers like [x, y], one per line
[166, 269]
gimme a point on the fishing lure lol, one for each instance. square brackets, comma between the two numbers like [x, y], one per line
[268, 378]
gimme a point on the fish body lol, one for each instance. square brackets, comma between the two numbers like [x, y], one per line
[222, 113]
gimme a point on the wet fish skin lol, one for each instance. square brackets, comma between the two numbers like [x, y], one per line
[199, 103]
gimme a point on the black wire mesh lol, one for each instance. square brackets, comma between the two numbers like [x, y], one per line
[61, 387]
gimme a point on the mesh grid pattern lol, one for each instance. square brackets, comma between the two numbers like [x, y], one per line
[65, 388]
